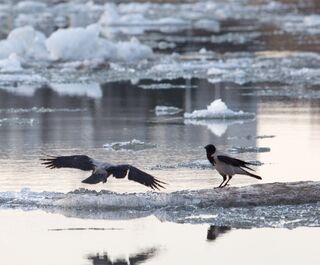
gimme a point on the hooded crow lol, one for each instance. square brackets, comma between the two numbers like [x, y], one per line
[101, 171]
[227, 166]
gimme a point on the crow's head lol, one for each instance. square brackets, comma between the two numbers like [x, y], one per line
[210, 148]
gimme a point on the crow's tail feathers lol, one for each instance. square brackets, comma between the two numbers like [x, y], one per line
[251, 175]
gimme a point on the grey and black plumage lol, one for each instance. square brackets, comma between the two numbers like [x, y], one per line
[101, 171]
[228, 166]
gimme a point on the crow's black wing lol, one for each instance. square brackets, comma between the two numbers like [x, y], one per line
[234, 161]
[144, 178]
[137, 175]
[82, 162]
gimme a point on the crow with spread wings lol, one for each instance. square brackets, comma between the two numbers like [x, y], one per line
[101, 171]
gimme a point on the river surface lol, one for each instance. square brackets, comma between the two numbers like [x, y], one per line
[259, 57]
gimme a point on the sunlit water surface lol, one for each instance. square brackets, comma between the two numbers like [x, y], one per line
[260, 57]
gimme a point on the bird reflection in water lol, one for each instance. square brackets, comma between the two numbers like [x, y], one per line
[216, 231]
[135, 259]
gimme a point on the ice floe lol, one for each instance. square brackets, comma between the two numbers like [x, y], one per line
[249, 149]
[167, 110]
[135, 19]
[26, 42]
[71, 44]
[195, 164]
[18, 121]
[11, 64]
[133, 145]
[92, 90]
[85, 43]
[218, 110]
[270, 204]
[37, 110]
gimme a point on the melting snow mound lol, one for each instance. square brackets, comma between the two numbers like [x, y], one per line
[218, 110]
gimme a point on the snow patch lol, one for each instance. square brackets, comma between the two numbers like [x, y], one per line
[218, 110]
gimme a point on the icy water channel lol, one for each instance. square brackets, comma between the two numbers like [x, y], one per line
[132, 100]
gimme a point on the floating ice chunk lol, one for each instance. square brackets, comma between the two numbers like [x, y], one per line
[133, 51]
[249, 149]
[195, 164]
[12, 64]
[165, 86]
[312, 20]
[133, 145]
[239, 203]
[17, 121]
[217, 71]
[24, 90]
[38, 110]
[79, 44]
[25, 42]
[265, 136]
[208, 24]
[110, 14]
[166, 110]
[218, 110]
[92, 90]
[23, 78]
[85, 43]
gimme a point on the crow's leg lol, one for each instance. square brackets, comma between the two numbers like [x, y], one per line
[225, 184]
[224, 179]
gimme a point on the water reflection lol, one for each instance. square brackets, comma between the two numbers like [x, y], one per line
[217, 231]
[134, 259]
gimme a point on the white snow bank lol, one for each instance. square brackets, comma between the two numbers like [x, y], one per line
[11, 64]
[166, 110]
[71, 44]
[218, 110]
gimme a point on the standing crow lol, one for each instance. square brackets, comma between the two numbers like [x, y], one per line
[227, 166]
